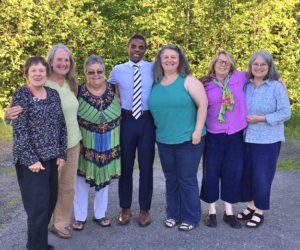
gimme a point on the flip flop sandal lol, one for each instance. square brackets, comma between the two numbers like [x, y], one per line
[78, 225]
[246, 216]
[186, 227]
[102, 223]
[170, 223]
[256, 223]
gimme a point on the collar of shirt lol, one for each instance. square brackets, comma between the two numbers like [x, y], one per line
[214, 77]
[140, 63]
[267, 82]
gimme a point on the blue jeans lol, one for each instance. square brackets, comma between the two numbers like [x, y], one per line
[180, 164]
[222, 163]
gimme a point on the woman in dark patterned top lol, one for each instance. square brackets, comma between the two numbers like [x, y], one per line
[62, 79]
[40, 148]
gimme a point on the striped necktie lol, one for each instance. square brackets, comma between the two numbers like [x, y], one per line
[137, 93]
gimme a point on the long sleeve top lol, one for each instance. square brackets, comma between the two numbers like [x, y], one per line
[39, 132]
[235, 120]
[70, 106]
[270, 100]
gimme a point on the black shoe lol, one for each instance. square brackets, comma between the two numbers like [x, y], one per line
[210, 220]
[231, 221]
[50, 247]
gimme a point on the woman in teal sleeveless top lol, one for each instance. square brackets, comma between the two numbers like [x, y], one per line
[178, 105]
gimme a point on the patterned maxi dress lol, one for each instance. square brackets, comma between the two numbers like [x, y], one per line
[99, 122]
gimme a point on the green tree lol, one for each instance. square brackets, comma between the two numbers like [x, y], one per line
[103, 27]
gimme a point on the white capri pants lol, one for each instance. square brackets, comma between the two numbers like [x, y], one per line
[81, 199]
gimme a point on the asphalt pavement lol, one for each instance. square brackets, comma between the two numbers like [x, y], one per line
[281, 229]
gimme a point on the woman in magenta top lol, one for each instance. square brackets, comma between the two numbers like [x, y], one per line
[223, 154]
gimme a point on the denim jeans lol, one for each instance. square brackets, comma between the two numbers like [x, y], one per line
[222, 167]
[180, 164]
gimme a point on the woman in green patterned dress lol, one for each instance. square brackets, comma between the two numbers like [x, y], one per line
[99, 161]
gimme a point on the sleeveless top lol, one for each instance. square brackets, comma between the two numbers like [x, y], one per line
[99, 121]
[174, 112]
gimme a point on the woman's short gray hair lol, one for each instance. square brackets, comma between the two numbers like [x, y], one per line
[272, 73]
[92, 60]
[183, 67]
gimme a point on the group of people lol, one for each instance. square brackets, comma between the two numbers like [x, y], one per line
[84, 136]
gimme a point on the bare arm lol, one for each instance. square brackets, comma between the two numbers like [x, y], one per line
[197, 92]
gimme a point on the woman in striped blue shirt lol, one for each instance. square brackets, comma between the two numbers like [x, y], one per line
[268, 107]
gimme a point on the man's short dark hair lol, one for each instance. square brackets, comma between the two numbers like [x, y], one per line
[137, 36]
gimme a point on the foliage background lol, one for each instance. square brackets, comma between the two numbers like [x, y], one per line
[103, 27]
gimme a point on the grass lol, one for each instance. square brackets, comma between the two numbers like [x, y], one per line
[11, 172]
[16, 200]
[5, 132]
[288, 165]
[292, 126]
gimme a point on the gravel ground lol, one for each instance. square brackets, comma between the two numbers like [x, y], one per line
[280, 231]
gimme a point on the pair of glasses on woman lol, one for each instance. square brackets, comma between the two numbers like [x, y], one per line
[221, 62]
[98, 72]
[262, 65]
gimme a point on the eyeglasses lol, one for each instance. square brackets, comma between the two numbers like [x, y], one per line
[262, 65]
[98, 72]
[221, 62]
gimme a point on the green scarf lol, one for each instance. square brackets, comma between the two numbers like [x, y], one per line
[227, 99]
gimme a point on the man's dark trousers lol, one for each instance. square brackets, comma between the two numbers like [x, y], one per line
[137, 134]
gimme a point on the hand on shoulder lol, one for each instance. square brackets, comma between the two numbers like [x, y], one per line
[12, 113]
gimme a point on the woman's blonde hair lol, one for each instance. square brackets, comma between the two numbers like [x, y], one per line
[229, 57]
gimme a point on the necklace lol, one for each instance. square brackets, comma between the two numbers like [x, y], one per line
[40, 95]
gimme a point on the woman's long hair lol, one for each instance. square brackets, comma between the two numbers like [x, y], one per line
[70, 76]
